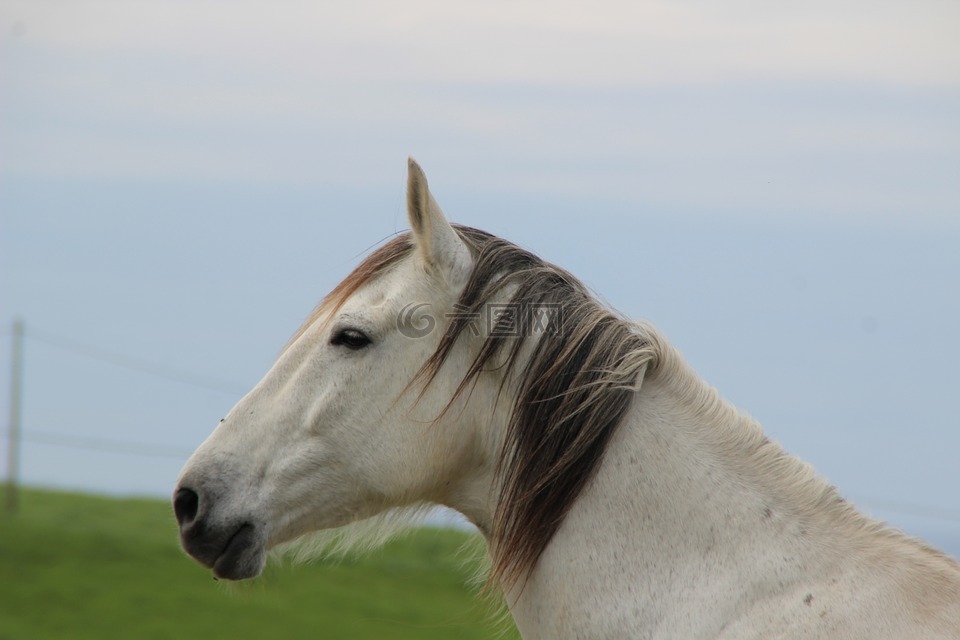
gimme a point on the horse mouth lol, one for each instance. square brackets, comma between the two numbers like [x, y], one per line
[242, 557]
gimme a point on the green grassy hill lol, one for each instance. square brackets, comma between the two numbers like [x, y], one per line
[74, 566]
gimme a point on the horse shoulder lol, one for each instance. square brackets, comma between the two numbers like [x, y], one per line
[893, 589]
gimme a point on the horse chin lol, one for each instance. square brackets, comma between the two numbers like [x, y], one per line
[243, 557]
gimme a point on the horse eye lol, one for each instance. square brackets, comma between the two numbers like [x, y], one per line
[351, 339]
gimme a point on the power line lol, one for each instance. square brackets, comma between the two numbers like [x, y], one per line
[135, 364]
[167, 451]
[910, 508]
[107, 445]
[211, 384]
[89, 443]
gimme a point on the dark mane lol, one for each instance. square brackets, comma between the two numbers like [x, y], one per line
[574, 388]
[582, 364]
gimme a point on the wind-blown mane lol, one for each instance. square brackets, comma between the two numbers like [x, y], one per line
[576, 365]
[373, 265]
[575, 385]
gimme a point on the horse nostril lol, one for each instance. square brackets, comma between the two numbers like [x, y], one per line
[186, 503]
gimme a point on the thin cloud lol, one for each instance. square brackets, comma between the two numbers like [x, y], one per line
[842, 107]
[560, 42]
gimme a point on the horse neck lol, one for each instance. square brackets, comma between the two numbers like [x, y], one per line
[688, 495]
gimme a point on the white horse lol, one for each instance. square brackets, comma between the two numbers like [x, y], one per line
[619, 495]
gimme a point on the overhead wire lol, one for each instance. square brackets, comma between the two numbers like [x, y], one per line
[107, 445]
[134, 363]
[124, 361]
[174, 374]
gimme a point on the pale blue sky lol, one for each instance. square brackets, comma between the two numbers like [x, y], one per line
[775, 188]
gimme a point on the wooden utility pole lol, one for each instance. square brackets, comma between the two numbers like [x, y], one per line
[13, 442]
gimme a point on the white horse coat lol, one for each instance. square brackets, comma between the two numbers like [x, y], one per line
[620, 496]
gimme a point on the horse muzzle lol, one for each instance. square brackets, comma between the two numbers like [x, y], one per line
[233, 548]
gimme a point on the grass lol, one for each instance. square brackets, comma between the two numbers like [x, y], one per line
[77, 566]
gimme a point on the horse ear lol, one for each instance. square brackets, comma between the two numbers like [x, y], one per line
[437, 242]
